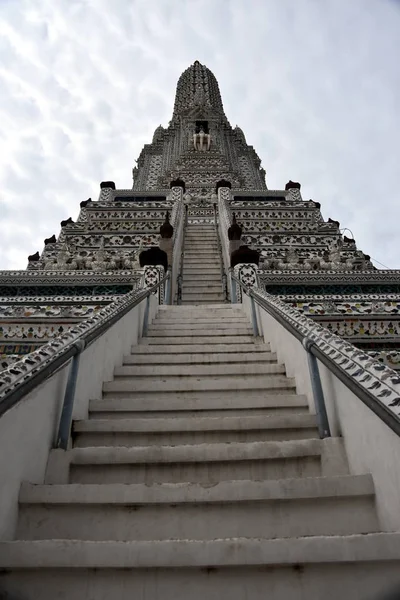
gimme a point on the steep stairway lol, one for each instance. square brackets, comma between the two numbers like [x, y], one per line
[202, 277]
[200, 474]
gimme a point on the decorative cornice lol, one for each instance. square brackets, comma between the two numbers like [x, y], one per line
[381, 382]
[32, 277]
[24, 369]
[295, 277]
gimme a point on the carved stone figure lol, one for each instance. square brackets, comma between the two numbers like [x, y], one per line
[201, 140]
[100, 262]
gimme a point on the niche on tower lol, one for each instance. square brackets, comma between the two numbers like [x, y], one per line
[201, 126]
[201, 136]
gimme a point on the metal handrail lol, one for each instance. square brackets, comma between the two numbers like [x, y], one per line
[72, 348]
[379, 408]
[221, 263]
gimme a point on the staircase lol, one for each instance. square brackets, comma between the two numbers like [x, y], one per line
[202, 280]
[199, 474]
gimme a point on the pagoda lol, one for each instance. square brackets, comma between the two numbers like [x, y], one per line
[199, 161]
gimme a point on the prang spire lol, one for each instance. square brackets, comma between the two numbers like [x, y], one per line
[197, 87]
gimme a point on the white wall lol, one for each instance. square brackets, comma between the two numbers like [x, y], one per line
[27, 430]
[371, 446]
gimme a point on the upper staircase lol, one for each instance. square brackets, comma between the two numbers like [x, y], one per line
[202, 276]
[198, 474]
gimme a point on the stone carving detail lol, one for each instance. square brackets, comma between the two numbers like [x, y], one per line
[152, 275]
[31, 331]
[390, 358]
[247, 274]
[65, 311]
[340, 307]
[34, 362]
[201, 140]
[154, 172]
[63, 262]
[101, 262]
[381, 382]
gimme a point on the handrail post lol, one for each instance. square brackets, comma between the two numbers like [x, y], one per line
[64, 428]
[233, 288]
[146, 316]
[254, 316]
[167, 293]
[318, 393]
[179, 294]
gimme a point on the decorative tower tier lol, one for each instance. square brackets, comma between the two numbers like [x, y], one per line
[201, 161]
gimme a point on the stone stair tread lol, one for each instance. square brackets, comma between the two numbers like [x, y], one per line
[203, 348]
[196, 453]
[79, 554]
[198, 339]
[195, 282]
[199, 423]
[200, 359]
[159, 331]
[234, 370]
[187, 492]
[218, 306]
[200, 401]
[206, 383]
[199, 322]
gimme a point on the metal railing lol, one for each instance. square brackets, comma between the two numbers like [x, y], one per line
[21, 378]
[378, 393]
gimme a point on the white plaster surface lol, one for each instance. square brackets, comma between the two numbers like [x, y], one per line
[371, 446]
[27, 431]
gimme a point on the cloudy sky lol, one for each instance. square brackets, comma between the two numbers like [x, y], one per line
[314, 84]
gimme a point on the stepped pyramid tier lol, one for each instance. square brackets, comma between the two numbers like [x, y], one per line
[189, 407]
[200, 161]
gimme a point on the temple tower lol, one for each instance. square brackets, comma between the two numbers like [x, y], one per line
[190, 405]
[200, 161]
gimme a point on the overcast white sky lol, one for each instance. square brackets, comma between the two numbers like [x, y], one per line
[314, 84]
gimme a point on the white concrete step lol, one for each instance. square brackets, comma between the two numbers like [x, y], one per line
[196, 252]
[209, 288]
[204, 294]
[224, 358]
[201, 297]
[199, 279]
[199, 348]
[166, 325]
[331, 567]
[212, 248]
[179, 370]
[200, 242]
[267, 509]
[191, 269]
[207, 272]
[192, 430]
[193, 404]
[200, 228]
[202, 463]
[211, 320]
[206, 261]
[190, 330]
[191, 302]
[192, 383]
[200, 236]
[196, 263]
[227, 309]
[198, 339]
